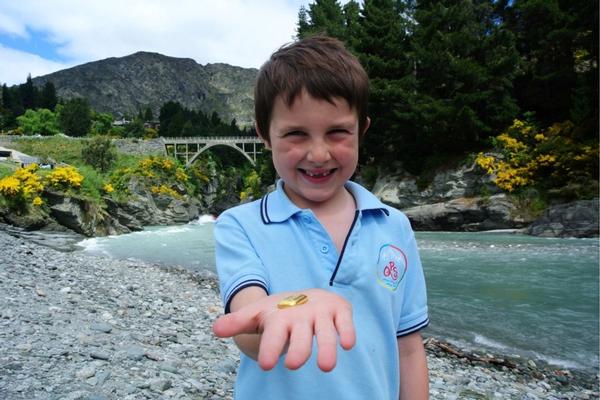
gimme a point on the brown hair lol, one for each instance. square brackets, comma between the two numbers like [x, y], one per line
[320, 65]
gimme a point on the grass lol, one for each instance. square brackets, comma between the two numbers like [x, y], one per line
[57, 148]
[68, 150]
[7, 168]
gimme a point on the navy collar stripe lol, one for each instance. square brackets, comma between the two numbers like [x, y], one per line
[280, 208]
[263, 210]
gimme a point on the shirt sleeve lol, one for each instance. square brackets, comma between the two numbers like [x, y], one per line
[414, 314]
[238, 264]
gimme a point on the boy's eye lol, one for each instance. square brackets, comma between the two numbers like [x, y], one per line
[294, 133]
[340, 131]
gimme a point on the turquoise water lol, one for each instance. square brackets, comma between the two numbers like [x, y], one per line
[530, 296]
[505, 293]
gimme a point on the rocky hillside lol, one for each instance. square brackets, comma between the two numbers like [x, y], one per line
[125, 85]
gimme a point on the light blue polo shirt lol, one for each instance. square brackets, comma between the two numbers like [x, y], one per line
[273, 244]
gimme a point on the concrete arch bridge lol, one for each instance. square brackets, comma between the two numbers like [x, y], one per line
[189, 148]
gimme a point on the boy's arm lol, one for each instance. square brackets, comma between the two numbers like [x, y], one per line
[414, 375]
[271, 330]
[248, 343]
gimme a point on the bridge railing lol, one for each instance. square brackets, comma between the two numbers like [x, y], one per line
[220, 139]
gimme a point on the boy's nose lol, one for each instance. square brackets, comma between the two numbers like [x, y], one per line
[318, 153]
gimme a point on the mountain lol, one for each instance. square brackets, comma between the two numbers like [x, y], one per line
[126, 85]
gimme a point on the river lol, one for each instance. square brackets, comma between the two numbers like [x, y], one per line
[504, 293]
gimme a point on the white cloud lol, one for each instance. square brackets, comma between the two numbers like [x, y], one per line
[16, 65]
[237, 32]
[11, 26]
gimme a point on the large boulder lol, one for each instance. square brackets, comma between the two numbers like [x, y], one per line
[467, 214]
[402, 190]
[149, 208]
[116, 211]
[576, 219]
[182, 212]
[82, 216]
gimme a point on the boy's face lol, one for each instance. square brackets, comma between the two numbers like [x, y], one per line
[315, 148]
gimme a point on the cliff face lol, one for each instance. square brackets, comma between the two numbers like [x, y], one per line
[128, 84]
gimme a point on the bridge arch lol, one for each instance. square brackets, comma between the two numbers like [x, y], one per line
[189, 148]
[208, 146]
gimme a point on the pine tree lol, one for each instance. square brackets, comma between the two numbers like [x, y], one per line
[466, 64]
[148, 117]
[383, 47]
[558, 44]
[28, 94]
[322, 16]
[76, 117]
[167, 113]
[48, 98]
[351, 13]
[7, 119]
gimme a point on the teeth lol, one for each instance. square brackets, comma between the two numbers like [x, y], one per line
[317, 175]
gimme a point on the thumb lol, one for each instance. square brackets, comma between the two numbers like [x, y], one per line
[234, 324]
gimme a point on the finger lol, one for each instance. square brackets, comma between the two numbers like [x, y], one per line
[234, 324]
[345, 328]
[300, 346]
[274, 338]
[327, 343]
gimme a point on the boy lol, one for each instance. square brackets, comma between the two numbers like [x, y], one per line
[320, 257]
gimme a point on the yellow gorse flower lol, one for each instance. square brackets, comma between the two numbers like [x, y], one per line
[108, 188]
[181, 176]
[22, 186]
[65, 178]
[527, 156]
[9, 186]
[165, 190]
[511, 143]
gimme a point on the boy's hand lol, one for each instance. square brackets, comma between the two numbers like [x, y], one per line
[326, 315]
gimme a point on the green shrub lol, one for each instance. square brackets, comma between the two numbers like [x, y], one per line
[100, 153]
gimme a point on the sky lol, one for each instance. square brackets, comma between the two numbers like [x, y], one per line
[38, 37]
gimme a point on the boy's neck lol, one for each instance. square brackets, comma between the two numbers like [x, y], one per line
[344, 204]
[337, 218]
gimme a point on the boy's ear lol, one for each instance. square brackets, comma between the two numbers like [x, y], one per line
[366, 128]
[262, 138]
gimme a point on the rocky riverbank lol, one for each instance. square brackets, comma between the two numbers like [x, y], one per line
[74, 326]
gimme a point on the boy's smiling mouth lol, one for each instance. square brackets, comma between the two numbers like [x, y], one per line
[316, 174]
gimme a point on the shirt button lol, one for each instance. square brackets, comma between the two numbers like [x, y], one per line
[307, 219]
[324, 249]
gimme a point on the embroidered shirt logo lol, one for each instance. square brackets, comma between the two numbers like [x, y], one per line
[391, 266]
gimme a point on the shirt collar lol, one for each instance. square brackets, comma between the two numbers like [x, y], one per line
[277, 207]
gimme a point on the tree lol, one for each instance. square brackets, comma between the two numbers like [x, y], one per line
[101, 123]
[558, 44]
[175, 127]
[48, 97]
[167, 113]
[148, 117]
[100, 153]
[351, 12]
[466, 63]
[383, 46]
[41, 121]
[7, 119]
[29, 94]
[76, 117]
[11, 100]
[135, 128]
[325, 17]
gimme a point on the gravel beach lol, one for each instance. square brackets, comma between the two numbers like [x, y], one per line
[74, 326]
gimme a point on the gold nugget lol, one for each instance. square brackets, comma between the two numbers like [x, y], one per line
[291, 301]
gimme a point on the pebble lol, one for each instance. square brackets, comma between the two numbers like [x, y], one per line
[101, 327]
[74, 326]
